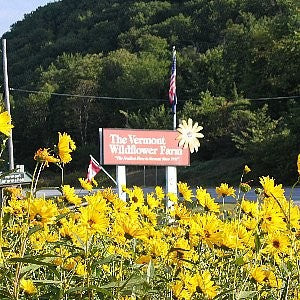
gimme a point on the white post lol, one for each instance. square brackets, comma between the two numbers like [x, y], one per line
[121, 180]
[7, 104]
[171, 182]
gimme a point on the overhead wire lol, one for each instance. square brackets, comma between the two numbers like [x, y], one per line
[139, 99]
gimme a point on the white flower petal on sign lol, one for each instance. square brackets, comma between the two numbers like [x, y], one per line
[189, 134]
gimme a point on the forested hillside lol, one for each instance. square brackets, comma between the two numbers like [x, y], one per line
[117, 54]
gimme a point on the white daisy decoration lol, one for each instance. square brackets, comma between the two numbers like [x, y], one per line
[189, 135]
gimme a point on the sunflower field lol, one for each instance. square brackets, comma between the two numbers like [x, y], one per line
[152, 246]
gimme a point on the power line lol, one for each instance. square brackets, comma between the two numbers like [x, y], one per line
[86, 96]
[274, 98]
[138, 99]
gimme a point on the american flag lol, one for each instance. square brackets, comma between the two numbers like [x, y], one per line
[172, 90]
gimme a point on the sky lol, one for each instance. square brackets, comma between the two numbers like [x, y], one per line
[12, 11]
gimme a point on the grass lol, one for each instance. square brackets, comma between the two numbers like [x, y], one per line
[211, 173]
[201, 173]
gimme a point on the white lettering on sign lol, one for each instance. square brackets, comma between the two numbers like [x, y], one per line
[116, 139]
[146, 141]
[169, 151]
[14, 178]
[142, 147]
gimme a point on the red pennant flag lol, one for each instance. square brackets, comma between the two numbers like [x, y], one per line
[93, 169]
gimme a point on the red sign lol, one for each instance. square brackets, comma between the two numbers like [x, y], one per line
[142, 147]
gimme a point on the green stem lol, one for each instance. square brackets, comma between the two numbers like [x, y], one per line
[62, 176]
[37, 178]
[33, 177]
[16, 289]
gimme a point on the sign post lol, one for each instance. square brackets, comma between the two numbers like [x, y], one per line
[171, 182]
[121, 181]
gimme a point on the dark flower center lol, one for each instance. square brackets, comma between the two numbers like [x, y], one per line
[135, 199]
[276, 244]
[91, 222]
[38, 217]
[206, 234]
[128, 236]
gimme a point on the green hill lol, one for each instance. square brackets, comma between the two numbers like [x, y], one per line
[228, 51]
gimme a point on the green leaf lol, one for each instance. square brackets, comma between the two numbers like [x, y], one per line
[4, 294]
[239, 261]
[92, 287]
[5, 219]
[257, 242]
[34, 229]
[31, 261]
[150, 271]
[246, 295]
[47, 281]
[285, 289]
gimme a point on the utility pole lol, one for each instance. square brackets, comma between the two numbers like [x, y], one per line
[7, 104]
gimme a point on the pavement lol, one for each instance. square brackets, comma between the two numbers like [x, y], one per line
[289, 193]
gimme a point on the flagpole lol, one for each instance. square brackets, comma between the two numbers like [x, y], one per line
[174, 120]
[109, 175]
[103, 170]
[171, 171]
[175, 106]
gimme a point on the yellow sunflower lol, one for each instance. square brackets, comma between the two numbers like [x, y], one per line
[265, 276]
[70, 195]
[130, 228]
[93, 220]
[206, 200]
[270, 189]
[272, 216]
[136, 196]
[179, 291]
[224, 190]
[208, 227]
[42, 211]
[5, 123]
[43, 156]
[185, 191]
[86, 184]
[65, 146]
[28, 286]
[152, 201]
[298, 164]
[201, 283]
[180, 213]
[148, 215]
[249, 208]
[246, 169]
[189, 134]
[160, 194]
[278, 244]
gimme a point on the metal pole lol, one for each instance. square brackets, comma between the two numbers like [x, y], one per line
[175, 99]
[7, 104]
[171, 171]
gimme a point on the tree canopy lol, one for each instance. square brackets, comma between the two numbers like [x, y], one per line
[117, 55]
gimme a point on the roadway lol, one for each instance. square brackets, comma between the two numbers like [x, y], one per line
[51, 192]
